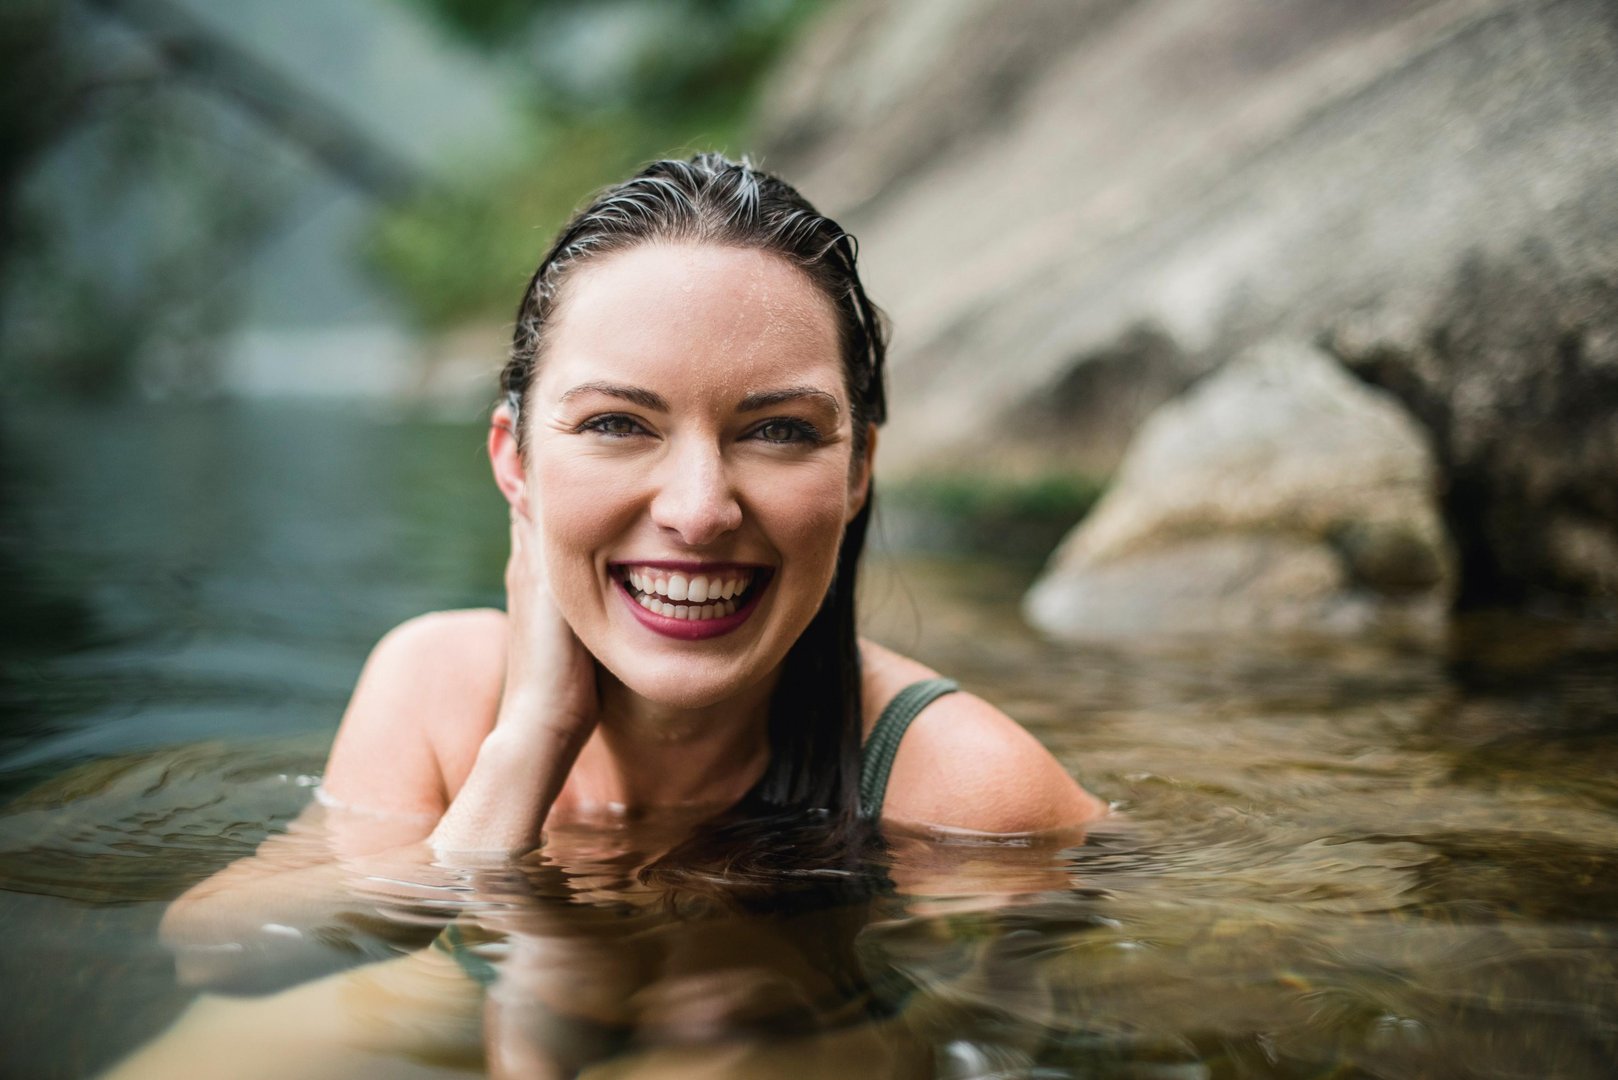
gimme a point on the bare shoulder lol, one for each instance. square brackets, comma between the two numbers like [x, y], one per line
[425, 700]
[964, 764]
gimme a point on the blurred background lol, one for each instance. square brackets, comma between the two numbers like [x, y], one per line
[1223, 323]
[1374, 242]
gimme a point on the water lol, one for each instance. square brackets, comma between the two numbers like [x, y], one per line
[1329, 860]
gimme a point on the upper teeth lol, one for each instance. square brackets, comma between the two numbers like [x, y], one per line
[695, 588]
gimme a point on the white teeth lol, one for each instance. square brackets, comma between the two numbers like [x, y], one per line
[686, 611]
[707, 596]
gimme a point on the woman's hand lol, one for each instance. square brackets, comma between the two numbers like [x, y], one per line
[547, 711]
[550, 675]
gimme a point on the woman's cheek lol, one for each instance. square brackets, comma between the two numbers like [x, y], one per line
[577, 510]
[807, 518]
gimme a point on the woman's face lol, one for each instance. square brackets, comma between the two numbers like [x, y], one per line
[690, 465]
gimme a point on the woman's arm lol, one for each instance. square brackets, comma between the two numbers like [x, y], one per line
[547, 712]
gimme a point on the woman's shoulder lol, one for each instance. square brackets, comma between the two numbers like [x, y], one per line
[467, 635]
[427, 696]
[964, 764]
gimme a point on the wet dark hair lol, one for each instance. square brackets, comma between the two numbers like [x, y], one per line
[815, 721]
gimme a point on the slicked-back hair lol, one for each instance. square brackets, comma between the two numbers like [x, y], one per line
[815, 713]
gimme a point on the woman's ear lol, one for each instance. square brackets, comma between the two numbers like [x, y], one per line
[860, 486]
[505, 458]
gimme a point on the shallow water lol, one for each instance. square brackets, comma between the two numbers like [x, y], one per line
[1329, 860]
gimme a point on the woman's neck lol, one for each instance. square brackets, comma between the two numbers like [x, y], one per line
[644, 756]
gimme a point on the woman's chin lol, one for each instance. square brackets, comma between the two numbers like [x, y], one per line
[684, 684]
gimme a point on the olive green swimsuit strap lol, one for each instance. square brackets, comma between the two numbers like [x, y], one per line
[877, 757]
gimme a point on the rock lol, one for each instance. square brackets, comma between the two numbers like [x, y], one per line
[1073, 209]
[1514, 371]
[1280, 494]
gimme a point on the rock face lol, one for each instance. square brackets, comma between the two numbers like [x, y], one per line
[1074, 208]
[1278, 495]
[1514, 372]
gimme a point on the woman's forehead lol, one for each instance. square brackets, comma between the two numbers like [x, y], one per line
[691, 311]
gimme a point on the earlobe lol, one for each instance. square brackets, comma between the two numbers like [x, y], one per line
[506, 460]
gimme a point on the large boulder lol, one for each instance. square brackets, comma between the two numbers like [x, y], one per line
[1280, 494]
[1513, 371]
[1074, 208]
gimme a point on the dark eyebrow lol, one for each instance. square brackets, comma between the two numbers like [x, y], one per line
[765, 398]
[633, 394]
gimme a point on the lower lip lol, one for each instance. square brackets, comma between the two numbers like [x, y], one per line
[690, 629]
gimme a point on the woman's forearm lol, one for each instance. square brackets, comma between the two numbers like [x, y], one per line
[518, 773]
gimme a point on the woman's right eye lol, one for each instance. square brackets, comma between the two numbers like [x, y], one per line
[613, 425]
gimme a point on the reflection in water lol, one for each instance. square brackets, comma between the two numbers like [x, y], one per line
[1332, 859]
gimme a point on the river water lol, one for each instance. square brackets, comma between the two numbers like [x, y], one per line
[1326, 859]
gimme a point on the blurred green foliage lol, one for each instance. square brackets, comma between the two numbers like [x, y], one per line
[1064, 495]
[1013, 517]
[608, 86]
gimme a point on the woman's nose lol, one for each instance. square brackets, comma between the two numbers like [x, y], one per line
[695, 499]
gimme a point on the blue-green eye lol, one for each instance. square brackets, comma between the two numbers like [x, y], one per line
[612, 425]
[786, 430]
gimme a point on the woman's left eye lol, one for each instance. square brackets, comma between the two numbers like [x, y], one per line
[785, 430]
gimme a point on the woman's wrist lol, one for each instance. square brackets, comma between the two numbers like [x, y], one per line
[518, 772]
[528, 720]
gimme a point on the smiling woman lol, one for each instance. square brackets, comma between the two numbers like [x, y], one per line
[686, 442]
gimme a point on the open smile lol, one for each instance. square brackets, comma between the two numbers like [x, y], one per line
[691, 600]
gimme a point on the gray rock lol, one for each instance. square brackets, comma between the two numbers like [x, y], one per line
[1513, 371]
[1073, 209]
[1280, 494]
